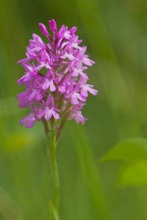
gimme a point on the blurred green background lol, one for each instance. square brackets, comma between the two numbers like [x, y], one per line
[95, 184]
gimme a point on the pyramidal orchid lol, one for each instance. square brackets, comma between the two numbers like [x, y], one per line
[55, 82]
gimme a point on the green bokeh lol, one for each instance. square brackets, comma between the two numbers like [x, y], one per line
[115, 33]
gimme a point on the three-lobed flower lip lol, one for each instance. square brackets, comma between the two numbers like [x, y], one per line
[55, 80]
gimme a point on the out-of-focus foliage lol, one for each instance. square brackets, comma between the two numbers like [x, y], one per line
[134, 153]
[115, 33]
[128, 150]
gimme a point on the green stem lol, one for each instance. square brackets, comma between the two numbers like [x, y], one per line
[53, 145]
[46, 127]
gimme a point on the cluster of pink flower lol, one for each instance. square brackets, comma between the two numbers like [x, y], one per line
[55, 82]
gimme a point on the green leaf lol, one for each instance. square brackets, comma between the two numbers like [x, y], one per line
[134, 174]
[128, 150]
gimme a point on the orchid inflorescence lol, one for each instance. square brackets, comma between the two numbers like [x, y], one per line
[55, 81]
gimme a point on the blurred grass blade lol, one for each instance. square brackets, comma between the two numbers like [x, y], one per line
[96, 29]
[7, 207]
[90, 170]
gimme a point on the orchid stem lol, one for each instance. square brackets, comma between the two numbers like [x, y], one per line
[52, 149]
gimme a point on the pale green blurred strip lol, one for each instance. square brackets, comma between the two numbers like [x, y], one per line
[7, 207]
[124, 36]
[109, 72]
[11, 21]
[90, 170]
[95, 28]
[12, 42]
